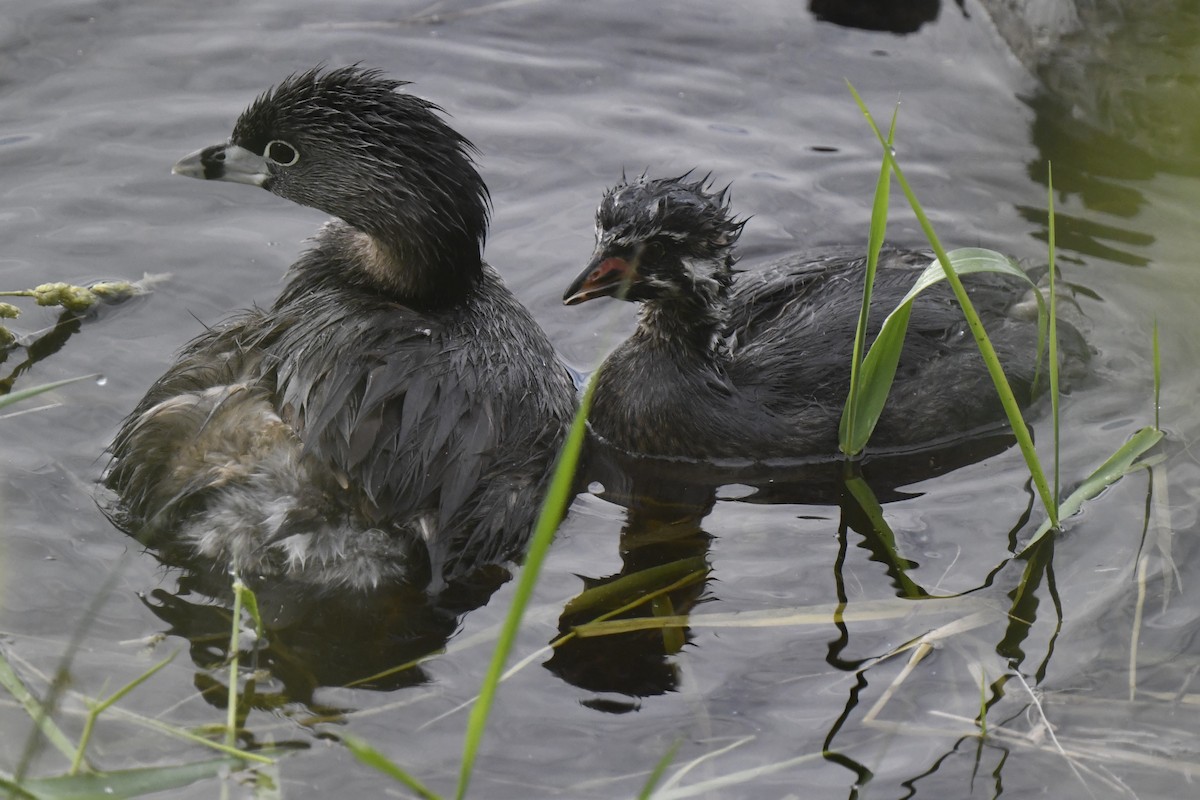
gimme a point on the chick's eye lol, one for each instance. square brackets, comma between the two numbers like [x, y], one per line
[653, 251]
[281, 153]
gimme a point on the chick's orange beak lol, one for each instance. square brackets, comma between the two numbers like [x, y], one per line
[605, 276]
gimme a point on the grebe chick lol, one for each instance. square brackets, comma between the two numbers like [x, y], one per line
[756, 365]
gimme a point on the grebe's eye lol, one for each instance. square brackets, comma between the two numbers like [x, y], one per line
[281, 153]
[653, 251]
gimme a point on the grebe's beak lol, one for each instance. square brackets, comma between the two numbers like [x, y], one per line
[605, 276]
[225, 162]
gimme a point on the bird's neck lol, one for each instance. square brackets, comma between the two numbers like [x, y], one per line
[421, 274]
[425, 279]
[421, 240]
[692, 319]
[686, 325]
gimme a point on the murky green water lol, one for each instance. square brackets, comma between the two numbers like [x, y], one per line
[97, 100]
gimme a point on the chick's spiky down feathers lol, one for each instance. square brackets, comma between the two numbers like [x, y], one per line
[755, 364]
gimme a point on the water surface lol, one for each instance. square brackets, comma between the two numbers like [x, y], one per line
[98, 99]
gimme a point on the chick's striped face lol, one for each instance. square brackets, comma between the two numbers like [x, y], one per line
[676, 237]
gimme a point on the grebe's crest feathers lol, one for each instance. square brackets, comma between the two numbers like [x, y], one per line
[348, 142]
[667, 241]
[317, 98]
[684, 216]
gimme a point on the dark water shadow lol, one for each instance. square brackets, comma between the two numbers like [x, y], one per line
[665, 555]
[313, 639]
[1098, 169]
[886, 16]
[1027, 581]
[1115, 107]
[857, 516]
[42, 346]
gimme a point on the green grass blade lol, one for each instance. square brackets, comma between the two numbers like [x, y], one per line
[553, 508]
[983, 700]
[396, 670]
[848, 427]
[136, 682]
[673, 638]
[650, 597]
[125, 783]
[966, 260]
[875, 379]
[15, 790]
[250, 603]
[659, 768]
[374, 759]
[12, 682]
[879, 366]
[58, 684]
[1157, 375]
[231, 704]
[637, 585]
[268, 783]
[188, 736]
[894, 608]
[99, 708]
[1003, 390]
[1119, 464]
[714, 786]
[1053, 322]
[243, 599]
[34, 391]
[862, 494]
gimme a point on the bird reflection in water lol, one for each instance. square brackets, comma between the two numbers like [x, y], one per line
[372, 641]
[667, 566]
